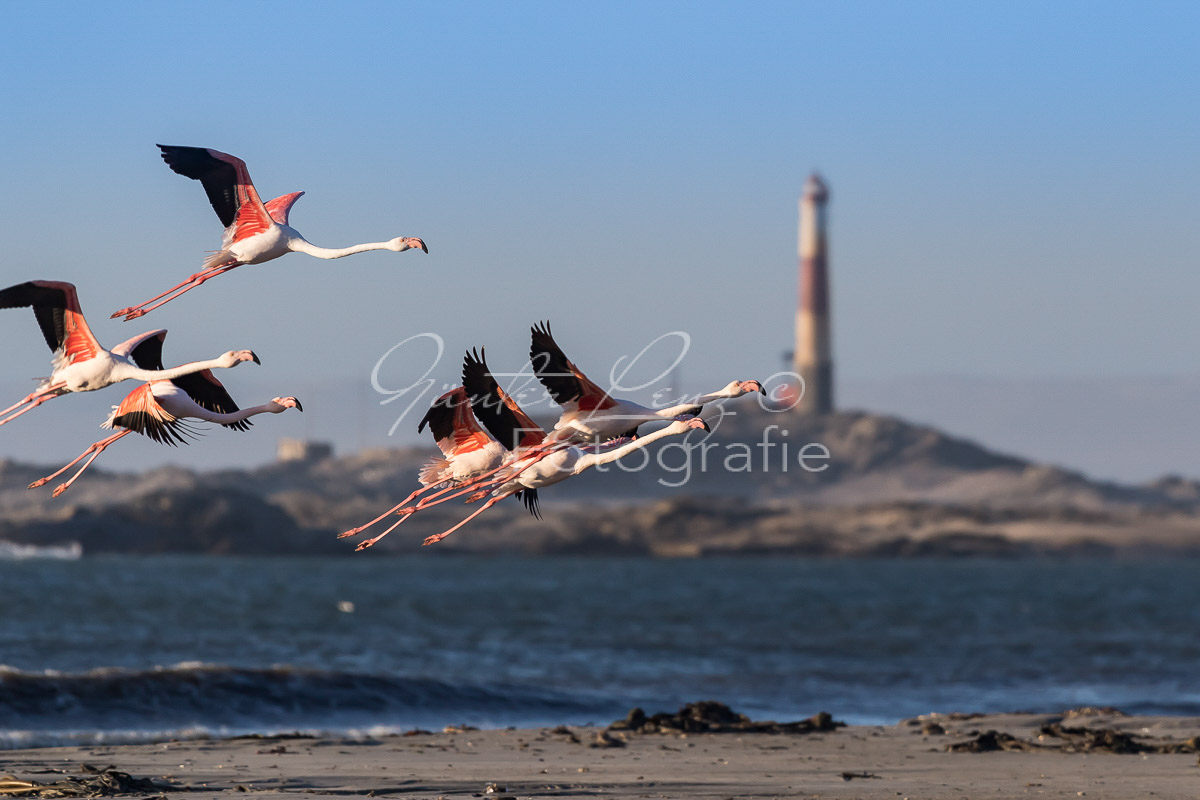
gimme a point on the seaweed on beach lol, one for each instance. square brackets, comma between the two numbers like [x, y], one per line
[98, 782]
[709, 716]
[1073, 740]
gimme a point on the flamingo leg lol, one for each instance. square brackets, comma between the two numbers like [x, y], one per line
[482, 483]
[133, 312]
[388, 513]
[93, 450]
[437, 537]
[369, 542]
[31, 402]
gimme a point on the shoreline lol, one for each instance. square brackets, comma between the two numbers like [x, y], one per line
[1084, 752]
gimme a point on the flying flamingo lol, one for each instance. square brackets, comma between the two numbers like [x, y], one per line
[589, 412]
[467, 452]
[80, 363]
[254, 232]
[532, 472]
[158, 409]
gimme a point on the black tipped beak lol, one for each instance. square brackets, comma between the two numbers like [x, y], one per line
[762, 389]
[424, 247]
[299, 407]
[705, 425]
[254, 356]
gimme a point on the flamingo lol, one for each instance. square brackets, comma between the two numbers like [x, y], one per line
[468, 451]
[531, 472]
[254, 231]
[81, 364]
[591, 413]
[158, 409]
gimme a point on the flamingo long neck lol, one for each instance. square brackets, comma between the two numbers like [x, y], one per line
[301, 245]
[608, 456]
[128, 371]
[236, 416]
[690, 407]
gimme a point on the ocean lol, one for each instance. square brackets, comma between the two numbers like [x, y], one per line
[122, 649]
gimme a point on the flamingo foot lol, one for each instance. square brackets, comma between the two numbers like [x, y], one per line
[135, 313]
[62, 487]
[38, 482]
[122, 312]
[351, 532]
[477, 496]
[437, 537]
[404, 512]
[364, 545]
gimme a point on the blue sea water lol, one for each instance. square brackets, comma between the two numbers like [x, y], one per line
[132, 649]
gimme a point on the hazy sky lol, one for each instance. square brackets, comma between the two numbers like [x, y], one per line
[1014, 190]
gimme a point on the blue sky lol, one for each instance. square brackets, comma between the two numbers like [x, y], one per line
[1014, 188]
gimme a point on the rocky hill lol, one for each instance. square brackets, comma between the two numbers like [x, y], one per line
[844, 484]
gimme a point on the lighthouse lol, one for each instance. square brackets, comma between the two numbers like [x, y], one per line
[812, 357]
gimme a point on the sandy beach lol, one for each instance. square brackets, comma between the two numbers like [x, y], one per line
[1099, 754]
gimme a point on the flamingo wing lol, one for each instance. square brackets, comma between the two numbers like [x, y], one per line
[563, 380]
[145, 349]
[530, 498]
[209, 393]
[453, 424]
[141, 413]
[227, 183]
[56, 306]
[495, 408]
[281, 206]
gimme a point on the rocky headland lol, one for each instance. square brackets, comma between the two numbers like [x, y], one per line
[846, 484]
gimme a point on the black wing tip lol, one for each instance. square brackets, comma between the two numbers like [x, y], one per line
[474, 359]
[530, 498]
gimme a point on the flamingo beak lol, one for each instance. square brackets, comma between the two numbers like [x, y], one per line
[415, 242]
[753, 386]
[299, 407]
[254, 357]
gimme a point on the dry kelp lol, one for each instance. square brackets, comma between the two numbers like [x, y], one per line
[97, 782]
[709, 716]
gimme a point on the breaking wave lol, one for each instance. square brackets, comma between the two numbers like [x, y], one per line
[192, 700]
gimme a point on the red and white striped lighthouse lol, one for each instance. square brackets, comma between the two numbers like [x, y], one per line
[812, 357]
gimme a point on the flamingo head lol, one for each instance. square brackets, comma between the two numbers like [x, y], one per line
[402, 243]
[284, 403]
[235, 357]
[746, 387]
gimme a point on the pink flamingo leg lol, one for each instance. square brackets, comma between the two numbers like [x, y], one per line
[458, 491]
[133, 312]
[437, 537]
[388, 513]
[370, 542]
[93, 450]
[35, 400]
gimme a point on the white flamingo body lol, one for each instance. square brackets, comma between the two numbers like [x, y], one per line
[589, 412]
[254, 231]
[113, 366]
[158, 409]
[81, 363]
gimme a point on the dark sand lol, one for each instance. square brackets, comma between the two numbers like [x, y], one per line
[905, 760]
